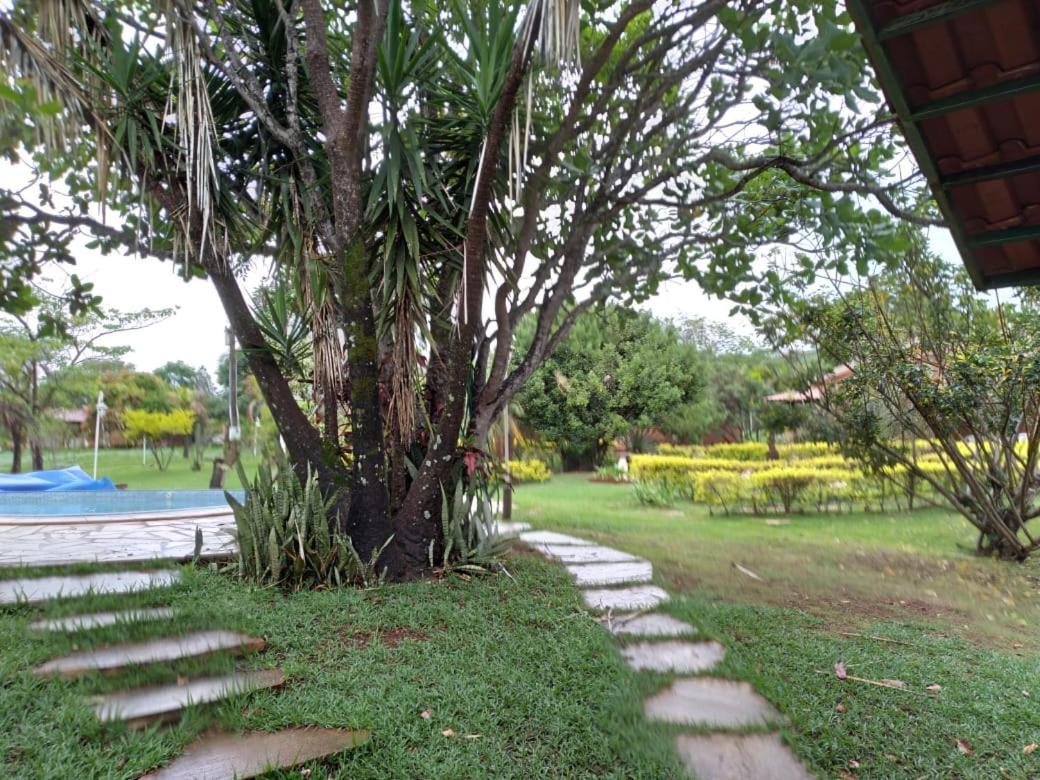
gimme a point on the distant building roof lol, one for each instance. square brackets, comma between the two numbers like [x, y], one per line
[74, 416]
[813, 392]
[963, 77]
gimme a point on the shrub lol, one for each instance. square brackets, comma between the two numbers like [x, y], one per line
[284, 537]
[748, 450]
[529, 470]
[655, 493]
[683, 450]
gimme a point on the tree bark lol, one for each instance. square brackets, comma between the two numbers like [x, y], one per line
[417, 525]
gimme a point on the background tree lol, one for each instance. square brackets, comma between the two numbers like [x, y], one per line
[614, 372]
[163, 430]
[935, 362]
[42, 360]
[399, 160]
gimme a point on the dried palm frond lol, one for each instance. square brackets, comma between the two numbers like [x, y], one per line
[195, 132]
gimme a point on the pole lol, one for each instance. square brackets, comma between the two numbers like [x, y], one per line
[99, 412]
[507, 487]
[144, 450]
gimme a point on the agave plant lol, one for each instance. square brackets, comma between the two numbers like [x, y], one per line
[471, 541]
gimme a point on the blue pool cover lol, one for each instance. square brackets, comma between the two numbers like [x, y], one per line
[72, 478]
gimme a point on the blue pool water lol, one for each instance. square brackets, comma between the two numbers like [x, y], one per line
[58, 504]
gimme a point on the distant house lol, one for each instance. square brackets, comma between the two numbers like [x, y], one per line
[813, 392]
[74, 428]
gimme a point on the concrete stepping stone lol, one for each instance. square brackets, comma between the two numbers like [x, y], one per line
[734, 757]
[611, 573]
[38, 589]
[705, 701]
[570, 553]
[116, 657]
[551, 537]
[506, 528]
[141, 706]
[102, 619]
[653, 624]
[674, 656]
[220, 755]
[636, 597]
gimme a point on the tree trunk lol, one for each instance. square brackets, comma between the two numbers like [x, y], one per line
[367, 522]
[37, 455]
[16, 449]
[301, 439]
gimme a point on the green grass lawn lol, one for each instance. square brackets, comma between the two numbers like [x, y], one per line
[124, 466]
[517, 661]
[969, 625]
[528, 683]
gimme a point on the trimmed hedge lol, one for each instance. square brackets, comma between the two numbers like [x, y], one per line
[823, 483]
[529, 470]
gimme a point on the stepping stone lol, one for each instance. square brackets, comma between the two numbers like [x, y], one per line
[654, 624]
[102, 619]
[733, 757]
[116, 657]
[506, 528]
[142, 706]
[248, 755]
[551, 537]
[570, 553]
[38, 589]
[704, 701]
[636, 597]
[674, 656]
[611, 573]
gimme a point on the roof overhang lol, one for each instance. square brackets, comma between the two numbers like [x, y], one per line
[963, 77]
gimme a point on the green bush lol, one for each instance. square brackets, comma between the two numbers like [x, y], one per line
[654, 493]
[529, 470]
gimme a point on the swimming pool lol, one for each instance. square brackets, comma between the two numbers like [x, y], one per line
[113, 506]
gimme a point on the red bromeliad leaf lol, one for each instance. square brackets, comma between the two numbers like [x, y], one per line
[471, 462]
[839, 671]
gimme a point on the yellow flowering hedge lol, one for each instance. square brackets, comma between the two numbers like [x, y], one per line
[529, 470]
[823, 482]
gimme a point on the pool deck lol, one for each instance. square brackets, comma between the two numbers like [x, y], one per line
[126, 538]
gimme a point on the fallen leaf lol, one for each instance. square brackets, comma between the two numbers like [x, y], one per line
[894, 683]
[1029, 748]
[747, 572]
[839, 671]
[472, 736]
[839, 707]
[426, 714]
[853, 763]
[892, 757]
[1026, 694]
[1017, 645]
[965, 747]
[934, 688]
[448, 732]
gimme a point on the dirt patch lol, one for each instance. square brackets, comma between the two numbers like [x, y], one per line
[391, 637]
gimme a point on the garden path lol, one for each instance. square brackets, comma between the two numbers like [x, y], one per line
[728, 715]
[215, 755]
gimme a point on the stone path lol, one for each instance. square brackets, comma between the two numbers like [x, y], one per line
[658, 642]
[215, 756]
